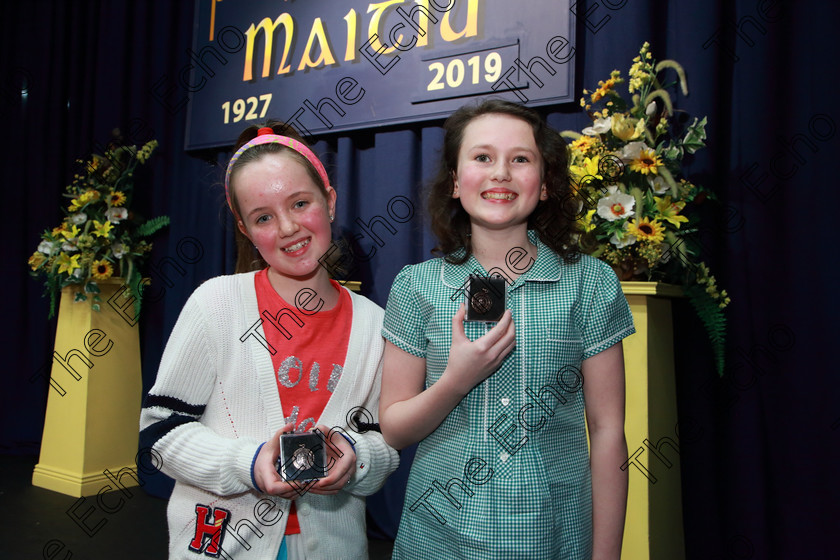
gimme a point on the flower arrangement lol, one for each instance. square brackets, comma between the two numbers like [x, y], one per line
[99, 236]
[638, 208]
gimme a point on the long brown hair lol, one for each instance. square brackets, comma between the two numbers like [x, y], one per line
[247, 256]
[553, 219]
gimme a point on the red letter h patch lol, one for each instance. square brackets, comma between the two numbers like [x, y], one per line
[205, 527]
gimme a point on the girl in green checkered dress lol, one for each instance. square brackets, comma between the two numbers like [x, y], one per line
[503, 469]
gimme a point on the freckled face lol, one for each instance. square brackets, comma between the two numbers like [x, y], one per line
[499, 177]
[284, 214]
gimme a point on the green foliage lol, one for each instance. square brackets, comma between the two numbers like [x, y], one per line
[99, 237]
[648, 211]
[695, 135]
[713, 318]
[152, 226]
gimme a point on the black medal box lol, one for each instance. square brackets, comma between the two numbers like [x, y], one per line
[303, 457]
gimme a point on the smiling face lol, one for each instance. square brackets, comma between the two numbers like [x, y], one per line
[284, 214]
[499, 177]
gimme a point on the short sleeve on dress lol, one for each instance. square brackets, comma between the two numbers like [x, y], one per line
[403, 325]
[606, 318]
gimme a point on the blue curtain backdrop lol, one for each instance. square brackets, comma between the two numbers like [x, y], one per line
[759, 448]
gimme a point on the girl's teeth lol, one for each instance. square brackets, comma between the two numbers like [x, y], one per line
[499, 196]
[297, 246]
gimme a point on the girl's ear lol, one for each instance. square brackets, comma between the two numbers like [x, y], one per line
[331, 196]
[455, 193]
[543, 192]
[242, 229]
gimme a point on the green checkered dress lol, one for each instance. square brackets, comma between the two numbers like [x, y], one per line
[506, 475]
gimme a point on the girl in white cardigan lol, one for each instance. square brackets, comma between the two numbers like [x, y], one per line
[260, 353]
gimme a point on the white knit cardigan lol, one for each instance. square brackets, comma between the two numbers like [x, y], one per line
[215, 401]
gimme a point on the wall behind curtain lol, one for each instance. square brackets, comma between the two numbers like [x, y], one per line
[759, 470]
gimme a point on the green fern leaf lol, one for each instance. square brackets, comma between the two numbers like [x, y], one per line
[713, 319]
[152, 226]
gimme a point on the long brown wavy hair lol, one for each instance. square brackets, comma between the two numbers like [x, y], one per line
[553, 219]
[247, 256]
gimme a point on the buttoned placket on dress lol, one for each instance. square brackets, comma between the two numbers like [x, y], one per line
[517, 303]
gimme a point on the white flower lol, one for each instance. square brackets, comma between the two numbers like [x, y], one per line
[78, 273]
[78, 218]
[632, 151]
[119, 249]
[650, 109]
[115, 214]
[616, 205]
[599, 126]
[46, 247]
[68, 247]
[624, 241]
[658, 184]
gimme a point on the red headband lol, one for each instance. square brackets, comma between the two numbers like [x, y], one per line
[266, 135]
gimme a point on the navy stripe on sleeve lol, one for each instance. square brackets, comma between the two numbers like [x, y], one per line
[173, 404]
[150, 436]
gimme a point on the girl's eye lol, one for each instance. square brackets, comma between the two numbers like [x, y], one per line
[262, 219]
[482, 158]
[520, 159]
[301, 203]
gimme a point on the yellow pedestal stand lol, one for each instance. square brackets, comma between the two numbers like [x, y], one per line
[91, 428]
[653, 529]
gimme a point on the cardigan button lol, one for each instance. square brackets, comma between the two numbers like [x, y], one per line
[505, 401]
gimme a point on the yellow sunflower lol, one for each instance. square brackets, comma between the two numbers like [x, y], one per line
[647, 230]
[116, 198]
[647, 162]
[101, 270]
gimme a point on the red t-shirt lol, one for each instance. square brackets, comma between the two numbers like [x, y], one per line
[309, 364]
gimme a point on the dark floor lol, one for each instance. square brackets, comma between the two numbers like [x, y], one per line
[36, 525]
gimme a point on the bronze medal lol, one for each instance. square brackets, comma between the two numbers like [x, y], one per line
[481, 301]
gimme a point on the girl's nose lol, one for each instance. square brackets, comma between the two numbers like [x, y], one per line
[501, 172]
[287, 226]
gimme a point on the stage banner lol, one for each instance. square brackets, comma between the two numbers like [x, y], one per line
[329, 66]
